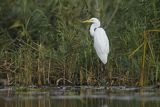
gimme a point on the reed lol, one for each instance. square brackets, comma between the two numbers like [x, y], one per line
[44, 42]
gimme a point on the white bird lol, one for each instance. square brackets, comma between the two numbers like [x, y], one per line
[101, 42]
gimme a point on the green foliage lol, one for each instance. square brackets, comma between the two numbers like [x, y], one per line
[43, 41]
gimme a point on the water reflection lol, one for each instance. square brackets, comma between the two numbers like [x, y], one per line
[81, 97]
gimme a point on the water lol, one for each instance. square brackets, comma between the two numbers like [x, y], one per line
[85, 96]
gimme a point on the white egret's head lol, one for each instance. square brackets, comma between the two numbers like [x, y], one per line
[93, 20]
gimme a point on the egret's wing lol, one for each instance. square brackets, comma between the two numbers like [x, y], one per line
[101, 44]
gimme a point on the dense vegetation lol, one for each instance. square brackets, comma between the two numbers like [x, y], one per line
[44, 42]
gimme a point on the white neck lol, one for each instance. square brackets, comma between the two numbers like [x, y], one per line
[93, 27]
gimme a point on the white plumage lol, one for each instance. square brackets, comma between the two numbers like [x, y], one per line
[101, 42]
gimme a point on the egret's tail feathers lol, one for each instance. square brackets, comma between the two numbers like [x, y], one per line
[103, 58]
[104, 61]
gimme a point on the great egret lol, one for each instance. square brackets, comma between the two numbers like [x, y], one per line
[101, 42]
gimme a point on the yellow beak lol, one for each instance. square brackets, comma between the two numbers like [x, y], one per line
[87, 21]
